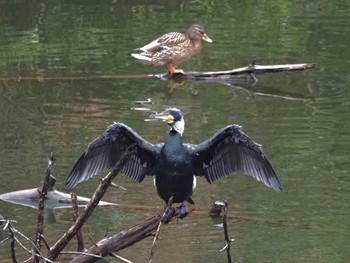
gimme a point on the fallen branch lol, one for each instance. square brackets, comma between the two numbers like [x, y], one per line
[108, 246]
[121, 240]
[97, 196]
[244, 73]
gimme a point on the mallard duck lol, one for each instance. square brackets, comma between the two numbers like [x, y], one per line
[172, 48]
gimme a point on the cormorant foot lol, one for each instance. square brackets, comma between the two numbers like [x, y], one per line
[181, 211]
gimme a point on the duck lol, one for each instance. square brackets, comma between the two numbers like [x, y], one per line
[173, 48]
[175, 164]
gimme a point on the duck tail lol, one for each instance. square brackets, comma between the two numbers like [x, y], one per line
[142, 58]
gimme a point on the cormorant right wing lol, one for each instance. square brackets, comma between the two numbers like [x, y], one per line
[230, 150]
[105, 151]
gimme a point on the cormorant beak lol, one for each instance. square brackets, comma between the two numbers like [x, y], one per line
[164, 117]
[206, 38]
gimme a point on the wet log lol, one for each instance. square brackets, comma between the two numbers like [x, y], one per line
[120, 240]
[244, 73]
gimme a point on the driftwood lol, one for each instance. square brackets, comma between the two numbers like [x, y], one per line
[97, 196]
[53, 199]
[144, 229]
[121, 240]
[244, 73]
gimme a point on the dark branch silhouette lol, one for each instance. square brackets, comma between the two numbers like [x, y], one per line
[97, 196]
[121, 240]
[227, 239]
[41, 205]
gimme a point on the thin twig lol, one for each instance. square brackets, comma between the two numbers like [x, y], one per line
[120, 258]
[13, 242]
[227, 239]
[79, 253]
[97, 196]
[4, 240]
[117, 186]
[79, 235]
[31, 252]
[156, 236]
[41, 205]
[45, 243]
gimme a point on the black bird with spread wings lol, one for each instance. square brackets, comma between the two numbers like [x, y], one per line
[174, 163]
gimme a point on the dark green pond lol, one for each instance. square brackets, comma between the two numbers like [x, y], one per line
[300, 118]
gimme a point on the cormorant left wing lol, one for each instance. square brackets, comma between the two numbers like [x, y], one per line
[105, 151]
[230, 150]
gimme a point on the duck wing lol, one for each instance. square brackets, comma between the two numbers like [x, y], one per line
[163, 43]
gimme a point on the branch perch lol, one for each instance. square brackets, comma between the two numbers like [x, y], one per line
[227, 239]
[97, 196]
[244, 73]
[121, 240]
[41, 204]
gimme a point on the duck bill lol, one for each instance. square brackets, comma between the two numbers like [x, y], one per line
[206, 38]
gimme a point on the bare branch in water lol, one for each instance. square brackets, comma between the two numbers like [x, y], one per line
[97, 196]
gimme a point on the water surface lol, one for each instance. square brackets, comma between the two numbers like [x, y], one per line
[300, 118]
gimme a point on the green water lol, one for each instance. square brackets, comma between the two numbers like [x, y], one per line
[300, 118]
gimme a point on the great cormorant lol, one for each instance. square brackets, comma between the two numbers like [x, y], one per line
[174, 163]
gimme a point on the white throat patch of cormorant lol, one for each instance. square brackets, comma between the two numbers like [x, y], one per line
[174, 163]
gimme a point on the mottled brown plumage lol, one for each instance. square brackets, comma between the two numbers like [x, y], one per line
[172, 48]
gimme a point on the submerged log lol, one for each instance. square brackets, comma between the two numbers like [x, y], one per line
[54, 199]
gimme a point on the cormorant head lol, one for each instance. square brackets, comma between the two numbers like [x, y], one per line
[173, 117]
